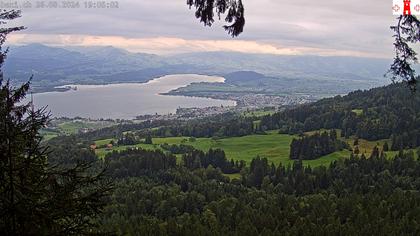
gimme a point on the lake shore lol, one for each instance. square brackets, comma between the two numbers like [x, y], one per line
[126, 100]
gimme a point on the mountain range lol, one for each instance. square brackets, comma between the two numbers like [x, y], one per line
[57, 66]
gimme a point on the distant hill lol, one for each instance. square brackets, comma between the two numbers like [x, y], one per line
[257, 83]
[243, 77]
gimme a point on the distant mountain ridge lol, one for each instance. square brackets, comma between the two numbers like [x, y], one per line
[55, 66]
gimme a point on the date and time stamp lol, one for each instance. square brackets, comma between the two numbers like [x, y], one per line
[59, 4]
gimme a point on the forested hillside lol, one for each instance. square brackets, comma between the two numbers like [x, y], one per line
[153, 196]
[380, 113]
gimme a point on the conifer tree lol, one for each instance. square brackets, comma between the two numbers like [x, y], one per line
[148, 139]
[406, 34]
[385, 147]
[37, 198]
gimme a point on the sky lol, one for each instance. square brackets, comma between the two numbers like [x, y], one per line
[294, 27]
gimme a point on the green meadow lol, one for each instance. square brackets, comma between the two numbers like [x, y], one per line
[74, 127]
[257, 113]
[273, 146]
[358, 112]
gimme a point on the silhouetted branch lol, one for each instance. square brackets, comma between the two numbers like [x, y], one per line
[206, 9]
[407, 31]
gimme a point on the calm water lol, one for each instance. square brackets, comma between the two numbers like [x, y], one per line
[126, 101]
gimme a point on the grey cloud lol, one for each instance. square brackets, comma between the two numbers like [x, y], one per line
[357, 25]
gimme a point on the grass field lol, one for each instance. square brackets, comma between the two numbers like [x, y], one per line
[326, 160]
[358, 112]
[73, 127]
[257, 113]
[275, 147]
[47, 135]
[392, 154]
[60, 127]
[233, 176]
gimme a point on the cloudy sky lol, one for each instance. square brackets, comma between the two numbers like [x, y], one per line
[316, 27]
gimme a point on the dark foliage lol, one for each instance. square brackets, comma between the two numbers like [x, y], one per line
[226, 125]
[148, 139]
[128, 139]
[358, 196]
[177, 149]
[384, 112]
[234, 9]
[315, 146]
[214, 157]
[407, 32]
[36, 196]
[137, 162]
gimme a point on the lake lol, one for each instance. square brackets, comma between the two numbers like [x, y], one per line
[126, 101]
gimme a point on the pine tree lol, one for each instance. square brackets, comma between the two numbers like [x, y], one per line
[407, 34]
[356, 142]
[333, 134]
[356, 150]
[375, 152]
[385, 148]
[148, 139]
[35, 197]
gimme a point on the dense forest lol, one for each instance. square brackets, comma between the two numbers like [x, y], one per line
[316, 145]
[357, 196]
[155, 195]
[225, 125]
[379, 113]
[137, 162]
[216, 158]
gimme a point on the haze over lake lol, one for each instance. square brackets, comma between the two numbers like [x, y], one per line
[126, 101]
